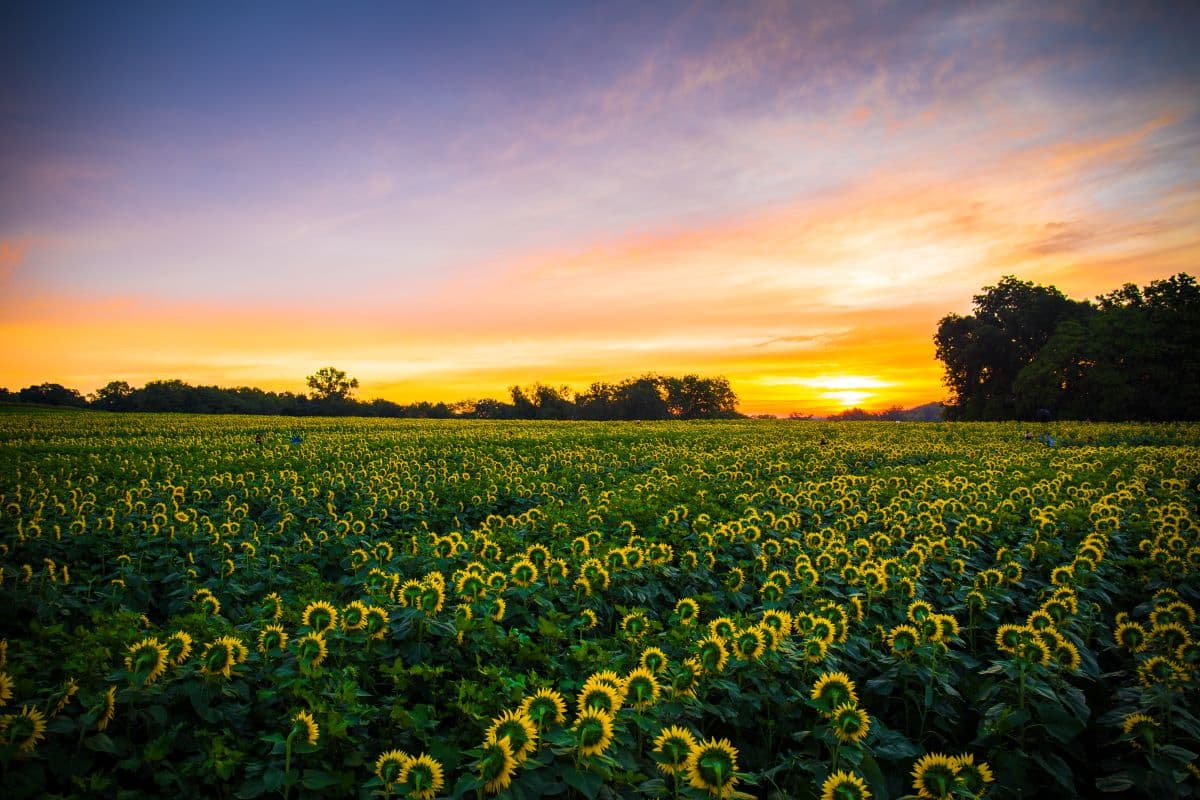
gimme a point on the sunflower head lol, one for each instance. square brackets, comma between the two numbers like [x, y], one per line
[6, 689]
[686, 678]
[722, 628]
[749, 644]
[146, 661]
[354, 616]
[1130, 636]
[904, 640]
[519, 729]
[546, 708]
[179, 647]
[831, 691]
[641, 688]
[377, 622]
[671, 749]
[311, 650]
[1010, 637]
[305, 727]
[23, 730]
[592, 732]
[712, 766]
[524, 573]
[712, 654]
[934, 776]
[599, 696]
[850, 723]
[319, 616]
[422, 777]
[844, 786]
[496, 764]
[778, 621]
[635, 624]
[654, 660]
[389, 765]
[971, 776]
[687, 611]
[814, 649]
[1139, 728]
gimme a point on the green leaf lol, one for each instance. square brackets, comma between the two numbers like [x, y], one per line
[586, 783]
[101, 743]
[1118, 782]
[316, 779]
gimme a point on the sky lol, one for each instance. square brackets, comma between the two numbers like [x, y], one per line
[446, 199]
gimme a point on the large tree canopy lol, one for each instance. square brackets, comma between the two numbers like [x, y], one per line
[1133, 355]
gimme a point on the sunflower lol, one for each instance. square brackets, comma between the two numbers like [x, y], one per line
[934, 776]
[377, 622]
[948, 625]
[319, 616]
[272, 638]
[68, 692]
[588, 618]
[599, 696]
[519, 729]
[179, 647]
[498, 607]
[832, 690]
[1009, 637]
[778, 621]
[431, 598]
[844, 786]
[850, 723]
[304, 725]
[712, 654]
[110, 708]
[686, 678]
[24, 730]
[814, 649]
[749, 644]
[354, 616]
[546, 708]
[422, 776]
[389, 766]
[524, 573]
[672, 747]
[971, 776]
[147, 660]
[311, 650]
[634, 624]
[654, 660]
[1139, 728]
[641, 688]
[470, 586]
[722, 628]
[219, 658]
[592, 731]
[6, 689]
[824, 629]
[918, 610]
[687, 611]
[711, 766]
[1161, 670]
[1169, 635]
[903, 640]
[1130, 636]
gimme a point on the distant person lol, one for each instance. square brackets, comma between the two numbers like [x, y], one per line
[296, 438]
[1028, 436]
[258, 439]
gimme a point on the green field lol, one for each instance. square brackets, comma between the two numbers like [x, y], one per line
[772, 609]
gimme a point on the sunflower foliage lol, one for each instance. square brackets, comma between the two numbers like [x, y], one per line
[429, 609]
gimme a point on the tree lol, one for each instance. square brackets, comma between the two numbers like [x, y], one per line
[983, 353]
[112, 396]
[52, 394]
[330, 383]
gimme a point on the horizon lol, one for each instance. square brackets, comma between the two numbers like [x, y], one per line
[445, 201]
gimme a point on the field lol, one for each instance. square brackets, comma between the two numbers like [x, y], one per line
[264, 607]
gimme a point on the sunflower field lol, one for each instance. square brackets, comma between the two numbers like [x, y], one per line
[249, 607]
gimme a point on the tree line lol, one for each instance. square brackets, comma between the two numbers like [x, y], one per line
[649, 397]
[1030, 352]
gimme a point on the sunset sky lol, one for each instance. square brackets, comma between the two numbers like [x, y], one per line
[444, 199]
